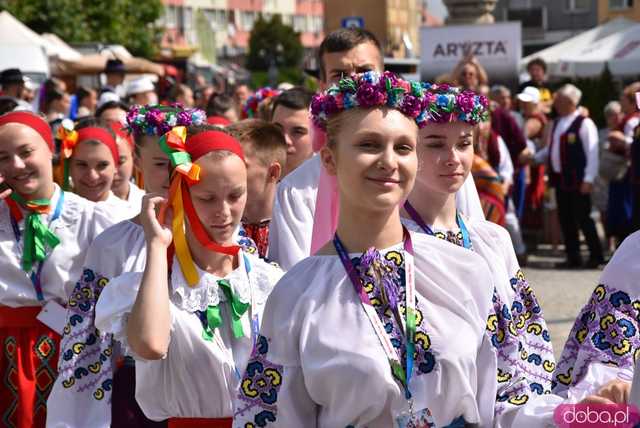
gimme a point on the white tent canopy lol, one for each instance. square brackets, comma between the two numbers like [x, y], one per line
[58, 48]
[616, 43]
[21, 47]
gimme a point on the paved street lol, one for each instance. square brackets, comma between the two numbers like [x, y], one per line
[562, 293]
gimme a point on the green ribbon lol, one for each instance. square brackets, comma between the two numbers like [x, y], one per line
[37, 236]
[214, 317]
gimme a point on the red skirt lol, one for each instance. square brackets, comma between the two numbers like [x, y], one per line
[28, 366]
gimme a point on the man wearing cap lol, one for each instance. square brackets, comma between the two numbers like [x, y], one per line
[573, 157]
[114, 72]
[535, 122]
[142, 92]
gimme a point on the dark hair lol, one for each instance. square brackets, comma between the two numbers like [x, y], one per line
[109, 105]
[297, 98]
[82, 92]
[343, 40]
[264, 139]
[539, 62]
[219, 104]
[179, 89]
[7, 104]
[95, 123]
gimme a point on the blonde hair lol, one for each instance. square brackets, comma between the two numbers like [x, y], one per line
[483, 78]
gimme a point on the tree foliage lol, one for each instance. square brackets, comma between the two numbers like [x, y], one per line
[127, 22]
[273, 41]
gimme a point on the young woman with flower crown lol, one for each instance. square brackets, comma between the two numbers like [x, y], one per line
[445, 156]
[44, 234]
[191, 319]
[382, 327]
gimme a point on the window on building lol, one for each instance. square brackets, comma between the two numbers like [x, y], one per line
[247, 20]
[300, 23]
[533, 19]
[577, 5]
[172, 17]
[620, 4]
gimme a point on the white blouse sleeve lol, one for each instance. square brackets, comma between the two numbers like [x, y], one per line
[519, 399]
[114, 306]
[272, 389]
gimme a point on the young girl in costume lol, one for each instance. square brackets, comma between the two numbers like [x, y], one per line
[86, 389]
[382, 327]
[44, 235]
[122, 185]
[446, 155]
[191, 319]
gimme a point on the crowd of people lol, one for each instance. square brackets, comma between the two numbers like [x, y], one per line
[282, 258]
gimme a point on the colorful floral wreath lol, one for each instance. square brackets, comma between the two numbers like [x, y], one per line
[158, 119]
[444, 103]
[250, 107]
[366, 90]
[422, 102]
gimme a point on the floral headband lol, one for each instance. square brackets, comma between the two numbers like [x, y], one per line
[422, 102]
[366, 90]
[250, 107]
[157, 120]
[444, 103]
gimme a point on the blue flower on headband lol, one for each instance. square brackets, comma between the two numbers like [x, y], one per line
[442, 101]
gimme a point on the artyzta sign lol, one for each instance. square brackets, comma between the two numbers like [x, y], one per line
[498, 47]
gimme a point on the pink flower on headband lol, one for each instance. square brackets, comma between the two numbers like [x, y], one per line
[369, 95]
[466, 101]
[411, 106]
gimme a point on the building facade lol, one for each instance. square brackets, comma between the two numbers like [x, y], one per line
[610, 9]
[221, 28]
[547, 22]
[395, 23]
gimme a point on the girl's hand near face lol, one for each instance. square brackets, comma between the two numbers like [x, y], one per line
[5, 190]
[156, 233]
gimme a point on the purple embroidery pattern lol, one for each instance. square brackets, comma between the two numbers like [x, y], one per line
[606, 331]
[259, 387]
[536, 353]
[86, 355]
[392, 264]
[513, 384]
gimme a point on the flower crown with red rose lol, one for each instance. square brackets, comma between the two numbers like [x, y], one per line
[250, 107]
[422, 102]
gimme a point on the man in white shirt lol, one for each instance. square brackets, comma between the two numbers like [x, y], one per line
[574, 166]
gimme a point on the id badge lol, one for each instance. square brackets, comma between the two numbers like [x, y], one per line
[417, 419]
[54, 316]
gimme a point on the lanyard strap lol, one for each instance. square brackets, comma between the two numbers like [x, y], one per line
[466, 240]
[36, 274]
[408, 323]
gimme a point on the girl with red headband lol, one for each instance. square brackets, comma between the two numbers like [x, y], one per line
[192, 317]
[104, 394]
[44, 233]
[122, 185]
[88, 156]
